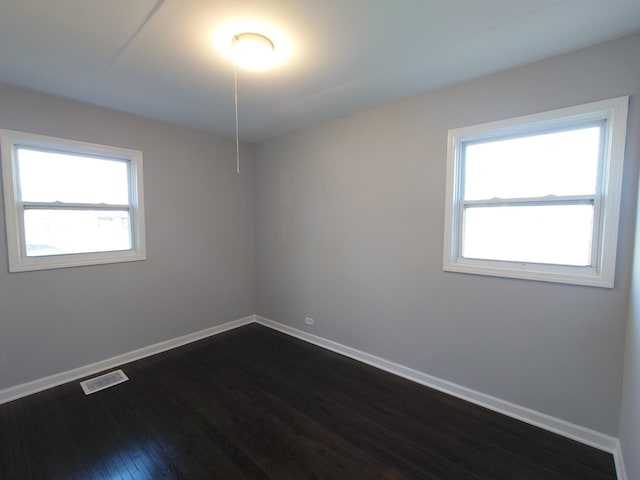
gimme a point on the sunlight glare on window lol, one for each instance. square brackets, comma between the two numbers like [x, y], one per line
[559, 163]
[59, 177]
[61, 232]
[553, 234]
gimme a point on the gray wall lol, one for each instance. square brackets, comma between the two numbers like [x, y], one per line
[349, 223]
[200, 267]
[630, 409]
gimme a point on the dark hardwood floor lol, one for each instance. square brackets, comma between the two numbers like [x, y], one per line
[255, 404]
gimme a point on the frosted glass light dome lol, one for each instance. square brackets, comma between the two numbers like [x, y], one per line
[252, 51]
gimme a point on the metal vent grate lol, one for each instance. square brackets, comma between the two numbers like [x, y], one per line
[101, 382]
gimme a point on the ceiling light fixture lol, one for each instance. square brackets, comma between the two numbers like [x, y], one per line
[253, 51]
[230, 36]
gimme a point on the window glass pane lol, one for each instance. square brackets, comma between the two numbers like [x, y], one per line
[61, 177]
[59, 232]
[559, 163]
[550, 234]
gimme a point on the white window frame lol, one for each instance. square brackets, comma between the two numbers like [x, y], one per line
[606, 201]
[10, 140]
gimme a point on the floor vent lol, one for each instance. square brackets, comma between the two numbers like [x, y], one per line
[107, 380]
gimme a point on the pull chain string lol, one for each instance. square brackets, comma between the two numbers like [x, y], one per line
[235, 96]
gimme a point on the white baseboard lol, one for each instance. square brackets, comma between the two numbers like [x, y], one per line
[619, 461]
[29, 388]
[542, 420]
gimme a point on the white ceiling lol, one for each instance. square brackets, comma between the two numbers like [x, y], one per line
[156, 57]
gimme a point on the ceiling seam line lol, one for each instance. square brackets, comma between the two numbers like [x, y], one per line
[156, 7]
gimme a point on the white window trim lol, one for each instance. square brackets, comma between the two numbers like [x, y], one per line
[607, 201]
[18, 260]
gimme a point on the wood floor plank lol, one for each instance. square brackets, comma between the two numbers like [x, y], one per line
[256, 404]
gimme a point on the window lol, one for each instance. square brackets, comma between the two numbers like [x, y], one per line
[538, 197]
[70, 203]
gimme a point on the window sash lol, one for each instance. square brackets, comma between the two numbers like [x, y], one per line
[534, 132]
[73, 206]
[533, 201]
[70, 153]
[24, 206]
[551, 200]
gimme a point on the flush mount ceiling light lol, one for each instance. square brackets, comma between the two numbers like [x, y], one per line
[253, 51]
[269, 44]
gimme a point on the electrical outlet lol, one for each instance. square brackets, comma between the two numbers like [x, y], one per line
[309, 321]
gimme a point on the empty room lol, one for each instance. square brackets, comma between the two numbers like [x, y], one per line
[338, 239]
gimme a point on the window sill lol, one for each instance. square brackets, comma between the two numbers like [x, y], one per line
[586, 276]
[76, 260]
